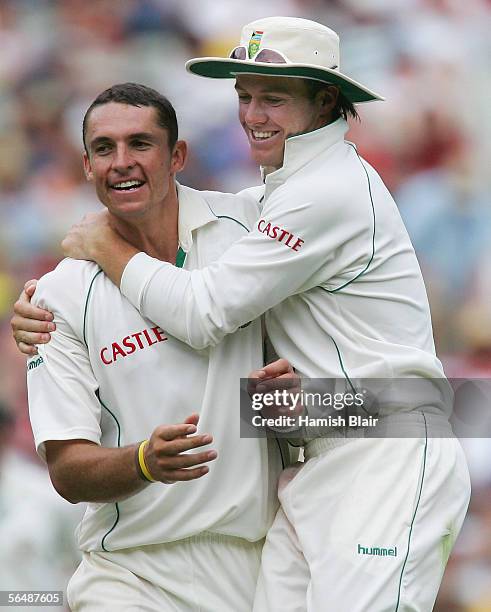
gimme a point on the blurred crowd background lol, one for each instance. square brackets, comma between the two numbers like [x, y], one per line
[430, 141]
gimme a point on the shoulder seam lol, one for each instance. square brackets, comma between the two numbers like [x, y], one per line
[226, 217]
[236, 221]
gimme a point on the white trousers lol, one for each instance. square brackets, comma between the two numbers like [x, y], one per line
[205, 573]
[366, 525]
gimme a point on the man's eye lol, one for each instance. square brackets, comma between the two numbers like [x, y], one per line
[140, 144]
[102, 149]
[244, 99]
[274, 100]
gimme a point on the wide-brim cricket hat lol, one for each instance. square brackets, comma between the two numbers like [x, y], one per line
[287, 47]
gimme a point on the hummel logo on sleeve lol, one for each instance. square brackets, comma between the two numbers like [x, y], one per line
[34, 363]
[281, 235]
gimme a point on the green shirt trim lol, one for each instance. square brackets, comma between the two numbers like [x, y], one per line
[180, 257]
[357, 276]
[414, 515]
[87, 305]
[118, 426]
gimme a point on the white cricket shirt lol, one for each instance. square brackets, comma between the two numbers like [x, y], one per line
[329, 259]
[111, 376]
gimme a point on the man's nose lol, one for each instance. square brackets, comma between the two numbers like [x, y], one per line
[255, 114]
[123, 160]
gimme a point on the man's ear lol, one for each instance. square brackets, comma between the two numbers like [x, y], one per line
[87, 167]
[179, 156]
[328, 98]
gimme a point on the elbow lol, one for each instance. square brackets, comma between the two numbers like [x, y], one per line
[65, 489]
[204, 335]
[72, 500]
[67, 494]
[199, 343]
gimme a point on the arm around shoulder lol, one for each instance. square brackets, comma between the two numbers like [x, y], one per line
[291, 249]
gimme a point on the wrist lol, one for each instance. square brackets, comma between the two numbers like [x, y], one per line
[141, 464]
[102, 243]
[112, 253]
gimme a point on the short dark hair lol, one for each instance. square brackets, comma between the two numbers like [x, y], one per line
[135, 94]
[343, 108]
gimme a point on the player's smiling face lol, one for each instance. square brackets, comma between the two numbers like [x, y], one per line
[270, 110]
[128, 158]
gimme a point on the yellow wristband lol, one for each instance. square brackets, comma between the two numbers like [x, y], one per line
[141, 462]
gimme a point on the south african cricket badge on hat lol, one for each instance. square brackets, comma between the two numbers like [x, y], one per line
[254, 43]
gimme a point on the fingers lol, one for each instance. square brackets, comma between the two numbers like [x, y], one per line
[272, 370]
[28, 332]
[179, 468]
[30, 325]
[188, 460]
[65, 245]
[192, 419]
[279, 381]
[30, 287]
[170, 432]
[23, 324]
[289, 382]
[31, 338]
[182, 475]
[167, 452]
[24, 309]
[278, 375]
[27, 349]
[181, 445]
[277, 368]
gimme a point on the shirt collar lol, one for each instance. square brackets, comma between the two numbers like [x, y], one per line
[301, 149]
[194, 212]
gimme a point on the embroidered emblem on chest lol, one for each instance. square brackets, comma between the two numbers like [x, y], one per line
[131, 344]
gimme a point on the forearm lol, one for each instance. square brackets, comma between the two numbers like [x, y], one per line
[255, 274]
[200, 307]
[164, 293]
[85, 472]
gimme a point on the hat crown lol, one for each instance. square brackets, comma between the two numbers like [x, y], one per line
[307, 50]
[301, 41]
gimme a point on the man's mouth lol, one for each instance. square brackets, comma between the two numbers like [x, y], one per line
[261, 136]
[128, 185]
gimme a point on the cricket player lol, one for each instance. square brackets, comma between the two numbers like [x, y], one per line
[365, 524]
[113, 397]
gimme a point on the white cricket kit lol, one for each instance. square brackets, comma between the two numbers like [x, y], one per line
[327, 251]
[111, 376]
[331, 262]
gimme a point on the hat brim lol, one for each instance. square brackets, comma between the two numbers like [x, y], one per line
[220, 68]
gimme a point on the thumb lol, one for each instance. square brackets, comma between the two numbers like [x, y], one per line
[30, 287]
